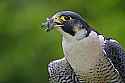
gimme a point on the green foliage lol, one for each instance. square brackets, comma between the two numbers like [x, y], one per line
[25, 50]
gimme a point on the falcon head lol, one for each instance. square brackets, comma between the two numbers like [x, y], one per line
[69, 24]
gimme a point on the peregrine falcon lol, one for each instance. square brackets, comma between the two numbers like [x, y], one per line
[89, 57]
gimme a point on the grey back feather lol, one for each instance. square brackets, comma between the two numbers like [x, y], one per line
[117, 55]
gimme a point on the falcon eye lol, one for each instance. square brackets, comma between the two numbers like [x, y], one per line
[65, 18]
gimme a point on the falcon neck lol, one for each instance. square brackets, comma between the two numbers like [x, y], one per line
[82, 54]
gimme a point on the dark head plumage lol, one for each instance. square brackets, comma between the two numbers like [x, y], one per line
[73, 15]
[70, 22]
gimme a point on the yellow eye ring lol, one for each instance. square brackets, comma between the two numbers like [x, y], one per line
[65, 18]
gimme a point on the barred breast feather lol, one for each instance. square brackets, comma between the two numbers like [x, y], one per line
[60, 71]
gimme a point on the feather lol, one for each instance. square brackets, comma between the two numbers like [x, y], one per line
[117, 55]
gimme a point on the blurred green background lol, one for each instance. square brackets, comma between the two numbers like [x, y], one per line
[25, 50]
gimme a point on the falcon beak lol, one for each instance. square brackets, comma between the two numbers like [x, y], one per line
[51, 23]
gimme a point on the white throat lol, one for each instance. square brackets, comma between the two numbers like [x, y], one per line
[82, 54]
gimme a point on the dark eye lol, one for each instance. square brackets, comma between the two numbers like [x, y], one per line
[67, 17]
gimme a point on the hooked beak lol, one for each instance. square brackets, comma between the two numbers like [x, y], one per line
[50, 24]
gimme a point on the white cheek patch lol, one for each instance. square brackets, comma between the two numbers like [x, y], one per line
[81, 34]
[77, 27]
